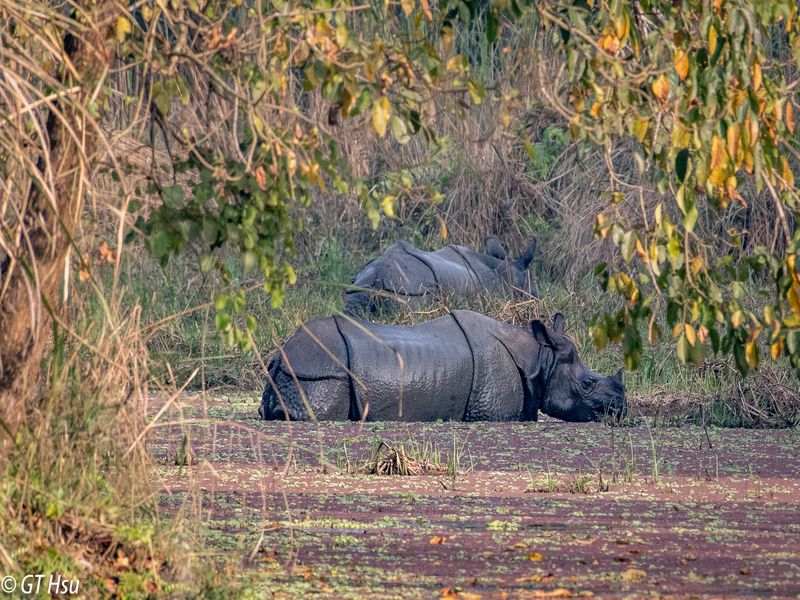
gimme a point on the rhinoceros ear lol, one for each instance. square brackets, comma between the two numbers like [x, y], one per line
[540, 333]
[524, 261]
[559, 327]
[495, 248]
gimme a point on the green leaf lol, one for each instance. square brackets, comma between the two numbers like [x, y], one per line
[628, 246]
[172, 196]
[681, 164]
[160, 244]
[491, 25]
[400, 130]
[222, 321]
[683, 349]
[161, 98]
[207, 262]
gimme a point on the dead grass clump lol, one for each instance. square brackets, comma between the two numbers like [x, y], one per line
[386, 459]
[769, 397]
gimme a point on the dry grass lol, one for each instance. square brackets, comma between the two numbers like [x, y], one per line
[397, 460]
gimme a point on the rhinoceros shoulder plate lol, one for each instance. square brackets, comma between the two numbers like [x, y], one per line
[498, 392]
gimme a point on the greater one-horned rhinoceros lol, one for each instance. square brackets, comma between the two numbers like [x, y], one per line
[462, 366]
[407, 273]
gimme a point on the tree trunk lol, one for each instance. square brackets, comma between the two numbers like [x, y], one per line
[37, 242]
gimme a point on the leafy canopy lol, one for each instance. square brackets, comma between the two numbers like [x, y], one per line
[702, 89]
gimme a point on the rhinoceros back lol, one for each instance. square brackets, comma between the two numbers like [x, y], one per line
[453, 272]
[411, 373]
[398, 272]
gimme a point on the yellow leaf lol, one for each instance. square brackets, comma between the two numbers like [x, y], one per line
[787, 175]
[640, 127]
[602, 225]
[610, 43]
[719, 156]
[387, 205]
[342, 35]
[690, 333]
[789, 116]
[596, 109]
[408, 6]
[438, 539]
[737, 319]
[456, 63]
[381, 113]
[556, 593]
[734, 142]
[730, 189]
[776, 349]
[447, 39]
[444, 229]
[751, 353]
[791, 261]
[681, 64]
[653, 331]
[696, 264]
[793, 296]
[633, 575]
[122, 28]
[756, 76]
[719, 162]
[712, 40]
[622, 26]
[751, 130]
[535, 556]
[661, 88]
[642, 252]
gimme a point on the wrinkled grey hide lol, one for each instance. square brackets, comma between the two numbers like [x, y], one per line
[413, 276]
[462, 366]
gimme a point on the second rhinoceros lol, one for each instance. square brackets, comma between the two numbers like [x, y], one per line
[462, 366]
[406, 274]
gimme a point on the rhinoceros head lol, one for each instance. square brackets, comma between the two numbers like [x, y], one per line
[573, 392]
[514, 271]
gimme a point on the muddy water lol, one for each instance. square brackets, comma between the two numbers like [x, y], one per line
[535, 508]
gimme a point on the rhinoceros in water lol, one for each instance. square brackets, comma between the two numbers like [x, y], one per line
[414, 276]
[463, 366]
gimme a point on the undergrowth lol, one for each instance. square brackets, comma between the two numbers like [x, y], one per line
[662, 386]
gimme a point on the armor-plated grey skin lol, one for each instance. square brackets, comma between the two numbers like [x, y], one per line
[462, 367]
[414, 277]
